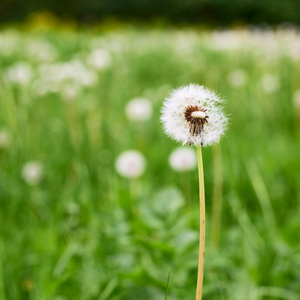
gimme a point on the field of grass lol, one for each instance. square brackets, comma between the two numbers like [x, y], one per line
[73, 228]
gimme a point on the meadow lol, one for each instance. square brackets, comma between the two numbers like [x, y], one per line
[72, 227]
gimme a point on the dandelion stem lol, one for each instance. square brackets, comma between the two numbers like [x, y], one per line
[202, 225]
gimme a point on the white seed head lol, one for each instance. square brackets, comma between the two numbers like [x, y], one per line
[99, 59]
[131, 164]
[183, 159]
[176, 125]
[32, 172]
[20, 73]
[138, 109]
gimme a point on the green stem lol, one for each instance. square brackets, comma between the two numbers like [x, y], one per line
[202, 226]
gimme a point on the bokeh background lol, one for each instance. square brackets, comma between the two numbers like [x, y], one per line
[82, 83]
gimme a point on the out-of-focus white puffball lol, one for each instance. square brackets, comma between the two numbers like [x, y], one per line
[5, 138]
[131, 164]
[20, 73]
[270, 83]
[33, 172]
[138, 109]
[183, 159]
[237, 77]
[99, 59]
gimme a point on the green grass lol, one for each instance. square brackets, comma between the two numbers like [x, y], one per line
[84, 232]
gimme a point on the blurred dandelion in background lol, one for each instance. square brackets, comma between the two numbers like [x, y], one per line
[131, 164]
[33, 172]
[138, 109]
[20, 73]
[183, 159]
[99, 59]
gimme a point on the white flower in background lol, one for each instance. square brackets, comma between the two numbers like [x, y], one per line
[270, 83]
[296, 99]
[20, 73]
[73, 71]
[131, 164]
[237, 77]
[138, 109]
[5, 138]
[193, 115]
[99, 59]
[32, 172]
[183, 159]
[41, 50]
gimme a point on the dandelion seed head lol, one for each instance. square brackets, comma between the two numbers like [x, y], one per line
[183, 159]
[32, 172]
[99, 59]
[131, 164]
[20, 73]
[198, 98]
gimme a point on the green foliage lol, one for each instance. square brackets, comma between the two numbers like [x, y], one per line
[81, 231]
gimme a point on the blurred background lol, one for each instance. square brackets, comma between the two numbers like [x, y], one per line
[96, 202]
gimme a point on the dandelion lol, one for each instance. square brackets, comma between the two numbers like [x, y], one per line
[99, 59]
[193, 115]
[183, 159]
[138, 109]
[32, 172]
[5, 138]
[131, 164]
[20, 73]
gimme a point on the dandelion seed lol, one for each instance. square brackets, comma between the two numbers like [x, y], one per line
[131, 164]
[138, 109]
[193, 115]
[183, 159]
[32, 172]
